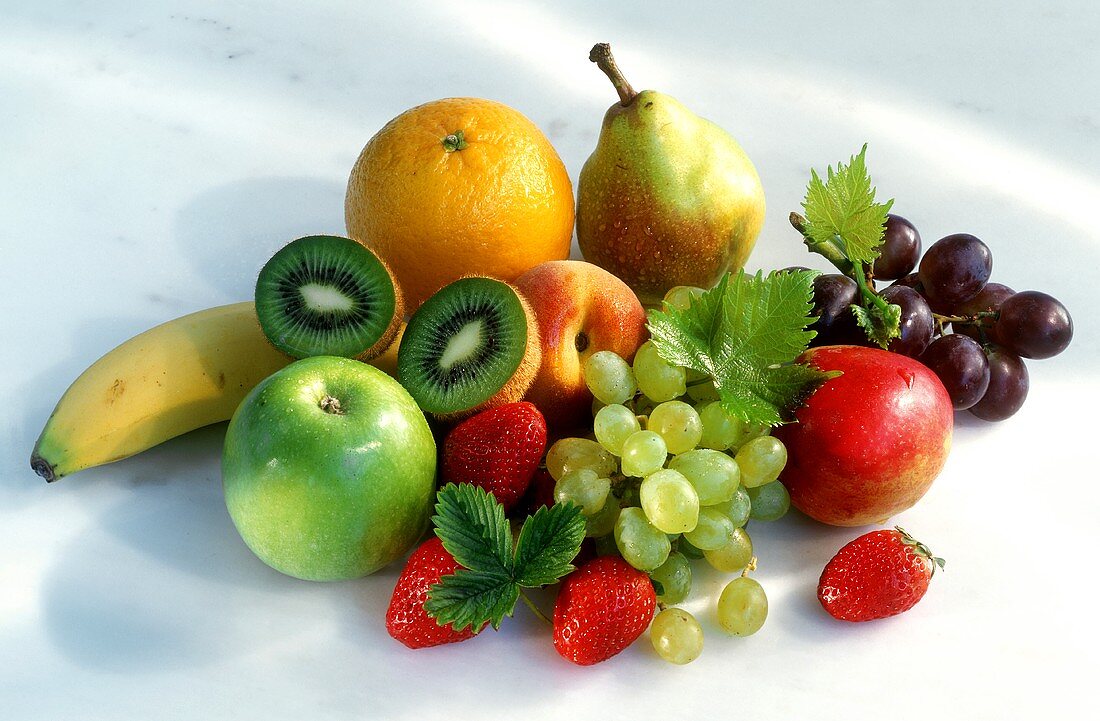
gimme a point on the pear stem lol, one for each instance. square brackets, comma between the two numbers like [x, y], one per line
[601, 55]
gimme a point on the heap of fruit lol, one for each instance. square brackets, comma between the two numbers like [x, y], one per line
[585, 442]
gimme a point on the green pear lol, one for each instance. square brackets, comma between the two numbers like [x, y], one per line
[667, 198]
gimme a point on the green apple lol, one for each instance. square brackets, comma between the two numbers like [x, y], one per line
[329, 469]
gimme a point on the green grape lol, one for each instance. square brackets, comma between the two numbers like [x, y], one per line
[602, 522]
[680, 296]
[669, 501]
[569, 454]
[713, 474]
[657, 378]
[734, 555]
[676, 636]
[628, 496]
[674, 576]
[742, 607]
[640, 544]
[643, 453]
[750, 431]
[678, 423]
[713, 530]
[761, 460]
[770, 501]
[583, 487]
[684, 546]
[703, 392]
[609, 377]
[613, 425]
[597, 404]
[720, 429]
[643, 406]
[738, 508]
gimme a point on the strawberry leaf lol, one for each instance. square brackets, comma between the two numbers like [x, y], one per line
[471, 524]
[467, 599]
[548, 543]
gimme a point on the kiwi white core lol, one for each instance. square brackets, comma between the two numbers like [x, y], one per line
[463, 345]
[324, 298]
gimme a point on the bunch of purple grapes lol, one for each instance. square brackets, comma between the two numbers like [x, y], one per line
[972, 333]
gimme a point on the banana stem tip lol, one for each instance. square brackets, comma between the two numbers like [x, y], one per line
[43, 468]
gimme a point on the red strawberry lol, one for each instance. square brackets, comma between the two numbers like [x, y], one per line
[602, 608]
[879, 574]
[406, 619]
[498, 450]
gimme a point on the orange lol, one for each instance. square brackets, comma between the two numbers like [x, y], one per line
[458, 187]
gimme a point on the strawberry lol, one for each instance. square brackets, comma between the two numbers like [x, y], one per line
[406, 619]
[498, 450]
[602, 608]
[879, 574]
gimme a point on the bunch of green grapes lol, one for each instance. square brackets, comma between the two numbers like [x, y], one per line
[671, 477]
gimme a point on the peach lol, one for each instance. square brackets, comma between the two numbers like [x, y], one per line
[581, 308]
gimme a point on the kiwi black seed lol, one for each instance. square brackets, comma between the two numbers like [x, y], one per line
[472, 345]
[327, 295]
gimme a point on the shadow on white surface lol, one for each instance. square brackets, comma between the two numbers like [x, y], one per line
[229, 231]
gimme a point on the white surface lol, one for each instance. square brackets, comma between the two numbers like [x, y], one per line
[155, 154]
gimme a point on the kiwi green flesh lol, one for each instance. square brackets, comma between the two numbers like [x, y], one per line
[463, 345]
[325, 295]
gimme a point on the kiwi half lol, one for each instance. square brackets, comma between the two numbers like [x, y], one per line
[473, 345]
[327, 295]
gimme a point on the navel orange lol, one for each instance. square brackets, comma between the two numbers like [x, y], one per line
[457, 187]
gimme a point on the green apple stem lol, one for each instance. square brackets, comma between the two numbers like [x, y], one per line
[535, 609]
[601, 55]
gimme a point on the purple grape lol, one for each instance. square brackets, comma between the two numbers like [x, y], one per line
[954, 270]
[835, 325]
[1008, 386]
[990, 299]
[916, 321]
[909, 281]
[1033, 325]
[900, 249]
[961, 365]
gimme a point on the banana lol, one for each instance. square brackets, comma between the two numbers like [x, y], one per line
[179, 376]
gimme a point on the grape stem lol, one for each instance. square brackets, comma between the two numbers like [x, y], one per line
[967, 319]
[535, 609]
[750, 567]
[833, 251]
[829, 249]
[976, 320]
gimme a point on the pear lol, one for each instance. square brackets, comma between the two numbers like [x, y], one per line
[667, 198]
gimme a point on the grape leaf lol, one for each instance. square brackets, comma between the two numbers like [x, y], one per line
[843, 207]
[745, 333]
[881, 324]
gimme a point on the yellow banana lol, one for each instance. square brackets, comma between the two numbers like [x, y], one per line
[179, 376]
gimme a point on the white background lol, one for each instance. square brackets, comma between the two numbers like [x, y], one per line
[153, 155]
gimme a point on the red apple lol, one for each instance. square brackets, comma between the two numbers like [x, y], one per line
[581, 309]
[869, 443]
